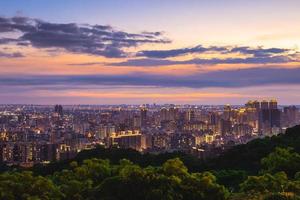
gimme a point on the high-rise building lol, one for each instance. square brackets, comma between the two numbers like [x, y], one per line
[253, 104]
[256, 104]
[106, 131]
[275, 117]
[127, 140]
[213, 118]
[264, 105]
[274, 114]
[191, 115]
[163, 114]
[290, 116]
[137, 122]
[227, 114]
[143, 116]
[273, 104]
[58, 109]
[170, 114]
[269, 116]
[173, 113]
[225, 127]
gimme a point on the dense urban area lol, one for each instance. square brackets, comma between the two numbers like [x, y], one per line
[32, 134]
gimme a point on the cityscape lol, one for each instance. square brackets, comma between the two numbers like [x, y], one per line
[32, 134]
[149, 100]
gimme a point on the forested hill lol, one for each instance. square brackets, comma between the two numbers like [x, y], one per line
[248, 156]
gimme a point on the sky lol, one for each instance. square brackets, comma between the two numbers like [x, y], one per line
[149, 51]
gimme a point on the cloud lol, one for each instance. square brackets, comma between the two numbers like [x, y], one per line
[13, 24]
[7, 40]
[219, 79]
[76, 38]
[86, 64]
[11, 55]
[212, 61]
[252, 55]
[105, 40]
[178, 52]
[255, 52]
[259, 52]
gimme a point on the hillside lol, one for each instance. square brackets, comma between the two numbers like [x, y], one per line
[247, 156]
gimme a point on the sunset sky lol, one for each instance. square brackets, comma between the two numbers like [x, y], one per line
[149, 51]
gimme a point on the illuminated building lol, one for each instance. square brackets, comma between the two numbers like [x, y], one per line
[127, 140]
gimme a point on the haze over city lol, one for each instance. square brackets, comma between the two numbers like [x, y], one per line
[136, 52]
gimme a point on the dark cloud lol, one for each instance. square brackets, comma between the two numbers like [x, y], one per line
[170, 53]
[105, 40]
[21, 24]
[11, 55]
[255, 52]
[259, 52]
[86, 64]
[7, 40]
[152, 34]
[221, 79]
[77, 38]
[212, 61]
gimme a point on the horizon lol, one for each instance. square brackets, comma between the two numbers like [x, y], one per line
[139, 52]
[138, 105]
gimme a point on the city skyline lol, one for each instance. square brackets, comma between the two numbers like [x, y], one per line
[32, 134]
[138, 52]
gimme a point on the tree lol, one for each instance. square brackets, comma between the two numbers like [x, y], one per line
[269, 187]
[24, 185]
[282, 159]
[175, 167]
